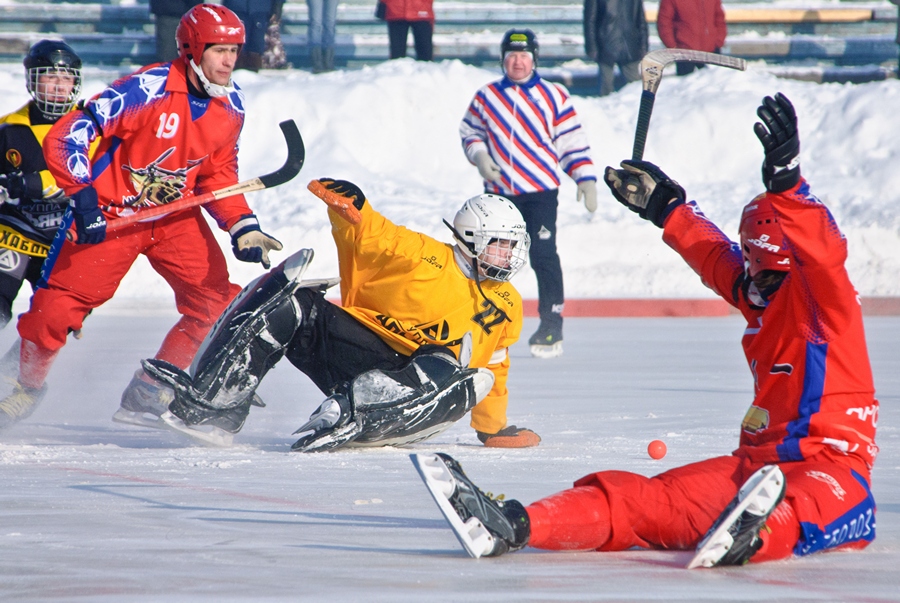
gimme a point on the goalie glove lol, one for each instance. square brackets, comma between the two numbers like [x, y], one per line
[781, 142]
[645, 189]
[344, 197]
[250, 244]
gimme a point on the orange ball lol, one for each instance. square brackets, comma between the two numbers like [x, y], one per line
[656, 449]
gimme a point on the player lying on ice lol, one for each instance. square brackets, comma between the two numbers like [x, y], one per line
[799, 481]
[420, 339]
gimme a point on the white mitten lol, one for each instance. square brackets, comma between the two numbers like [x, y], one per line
[587, 192]
[487, 167]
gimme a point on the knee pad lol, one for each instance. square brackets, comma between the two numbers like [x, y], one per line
[395, 408]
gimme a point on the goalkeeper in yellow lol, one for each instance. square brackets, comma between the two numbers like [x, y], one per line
[421, 337]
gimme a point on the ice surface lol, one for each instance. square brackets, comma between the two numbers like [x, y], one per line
[92, 510]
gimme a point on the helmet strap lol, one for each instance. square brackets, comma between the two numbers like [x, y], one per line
[470, 247]
[214, 90]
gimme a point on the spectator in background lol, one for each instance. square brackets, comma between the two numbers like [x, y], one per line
[320, 35]
[255, 15]
[692, 24]
[519, 132]
[615, 33]
[403, 15]
[168, 14]
[274, 57]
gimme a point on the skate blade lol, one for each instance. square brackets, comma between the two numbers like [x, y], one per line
[763, 494]
[472, 534]
[211, 436]
[129, 417]
[547, 351]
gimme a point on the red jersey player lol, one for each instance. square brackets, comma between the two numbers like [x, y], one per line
[168, 130]
[799, 482]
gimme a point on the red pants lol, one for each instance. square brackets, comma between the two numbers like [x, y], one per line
[181, 248]
[826, 505]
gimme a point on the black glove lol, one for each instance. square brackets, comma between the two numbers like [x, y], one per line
[89, 221]
[21, 186]
[644, 189]
[781, 141]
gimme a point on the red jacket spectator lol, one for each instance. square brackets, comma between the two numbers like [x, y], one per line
[693, 24]
[409, 10]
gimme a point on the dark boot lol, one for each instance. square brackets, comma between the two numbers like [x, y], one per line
[316, 60]
[329, 59]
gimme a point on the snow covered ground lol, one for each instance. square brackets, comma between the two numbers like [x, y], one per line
[392, 129]
[91, 510]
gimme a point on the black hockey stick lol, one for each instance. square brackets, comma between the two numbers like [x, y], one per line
[295, 157]
[652, 66]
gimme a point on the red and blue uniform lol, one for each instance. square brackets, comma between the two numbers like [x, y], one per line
[159, 142]
[814, 411]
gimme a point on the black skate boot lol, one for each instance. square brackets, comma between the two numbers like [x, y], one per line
[547, 340]
[144, 402]
[484, 526]
[734, 537]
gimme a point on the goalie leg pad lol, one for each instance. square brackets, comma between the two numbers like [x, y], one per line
[250, 336]
[395, 408]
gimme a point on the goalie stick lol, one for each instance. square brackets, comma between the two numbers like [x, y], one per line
[652, 66]
[292, 165]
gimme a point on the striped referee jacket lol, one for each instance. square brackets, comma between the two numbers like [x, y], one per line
[529, 129]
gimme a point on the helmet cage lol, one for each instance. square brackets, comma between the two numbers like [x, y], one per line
[504, 253]
[762, 242]
[47, 102]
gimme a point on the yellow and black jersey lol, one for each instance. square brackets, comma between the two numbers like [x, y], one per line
[408, 288]
[30, 224]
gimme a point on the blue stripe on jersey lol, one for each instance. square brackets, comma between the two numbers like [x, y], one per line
[549, 96]
[533, 176]
[572, 129]
[103, 161]
[810, 401]
[856, 525]
[58, 239]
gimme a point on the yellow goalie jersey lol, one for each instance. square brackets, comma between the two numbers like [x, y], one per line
[408, 288]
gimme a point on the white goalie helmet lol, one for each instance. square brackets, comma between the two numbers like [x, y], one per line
[491, 230]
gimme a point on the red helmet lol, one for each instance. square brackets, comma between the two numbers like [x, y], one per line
[207, 24]
[762, 242]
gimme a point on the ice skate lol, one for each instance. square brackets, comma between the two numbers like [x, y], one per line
[510, 437]
[20, 404]
[734, 538]
[143, 403]
[484, 526]
[547, 341]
